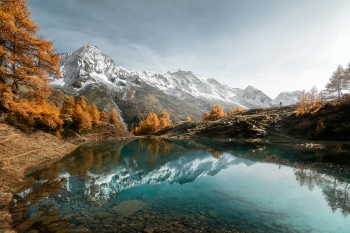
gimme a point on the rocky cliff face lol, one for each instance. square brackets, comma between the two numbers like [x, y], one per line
[89, 72]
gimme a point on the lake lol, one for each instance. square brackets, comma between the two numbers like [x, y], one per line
[158, 185]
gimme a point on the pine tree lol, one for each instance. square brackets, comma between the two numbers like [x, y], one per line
[25, 60]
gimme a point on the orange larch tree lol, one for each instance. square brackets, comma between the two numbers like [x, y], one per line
[216, 113]
[81, 119]
[164, 120]
[103, 116]
[235, 110]
[26, 58]
[152, 123]
[68, 106]
[114, 118]
[95, 115]
[188, 118]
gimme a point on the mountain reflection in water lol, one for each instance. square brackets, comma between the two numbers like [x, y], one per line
[97, 174]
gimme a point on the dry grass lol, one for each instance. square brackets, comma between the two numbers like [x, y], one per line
[20, 154]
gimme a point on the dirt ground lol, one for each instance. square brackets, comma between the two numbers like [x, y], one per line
[20, 154]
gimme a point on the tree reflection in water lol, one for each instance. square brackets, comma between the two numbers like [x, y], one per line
[140, 158]
[334, 189]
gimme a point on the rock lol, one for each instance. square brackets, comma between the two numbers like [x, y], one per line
[213, 213]
[128, 208]
[79, 230]
[104, 215]
[148, 230]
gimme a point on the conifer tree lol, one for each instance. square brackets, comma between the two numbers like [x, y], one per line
[152, 124]
[81, 119]
[114, 118]
[95, 115]
[103, 116]
[68, 106]
[188, 119]
[164, 120]
[82, 102]
[346, 84]
[302, 104]
[337, 82]
[25, 60]
[216, 113]
[314, 99]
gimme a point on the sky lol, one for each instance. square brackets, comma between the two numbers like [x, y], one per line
[272, 45]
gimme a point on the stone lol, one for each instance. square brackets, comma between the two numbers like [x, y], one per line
[128, 208]
[213, 213]
[79, 230]
[148, 230]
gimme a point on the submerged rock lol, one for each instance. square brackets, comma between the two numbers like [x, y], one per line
[213, 213]
[128, 208]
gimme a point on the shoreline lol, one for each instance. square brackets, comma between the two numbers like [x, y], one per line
[22, 154]
[45, 149]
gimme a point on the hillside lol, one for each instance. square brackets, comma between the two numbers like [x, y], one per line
[90, 72]
[279, 124]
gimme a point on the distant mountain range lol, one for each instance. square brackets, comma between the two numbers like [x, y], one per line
[89, 72]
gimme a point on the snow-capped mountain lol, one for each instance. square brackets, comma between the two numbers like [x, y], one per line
[288, 98]
[88, 71]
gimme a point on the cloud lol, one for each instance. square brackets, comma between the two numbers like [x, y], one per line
[273, 45]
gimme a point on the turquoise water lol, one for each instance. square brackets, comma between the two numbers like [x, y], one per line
[195, 186]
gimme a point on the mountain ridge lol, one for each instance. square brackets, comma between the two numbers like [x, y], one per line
[88, 71]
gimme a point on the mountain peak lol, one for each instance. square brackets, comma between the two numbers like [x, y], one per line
[89, 48]
[250, 89]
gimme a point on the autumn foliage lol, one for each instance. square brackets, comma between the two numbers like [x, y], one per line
[114, 118]
[152, 124]
[235, 110]
[25, 60]
[216, 113]
[86, 117]
[309, 102]
[188, 119]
